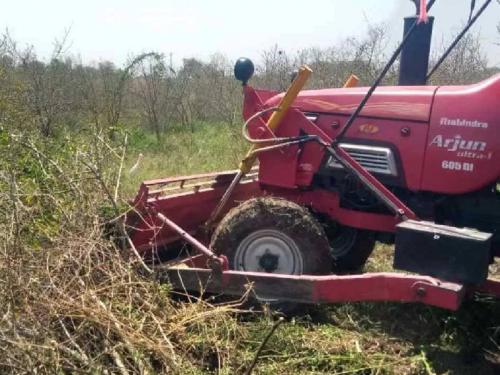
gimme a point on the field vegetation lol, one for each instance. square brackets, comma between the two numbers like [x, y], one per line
[72, 301]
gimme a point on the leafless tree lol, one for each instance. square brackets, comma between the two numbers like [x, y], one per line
[90, 93]
[45, 84]
[62, 93]
[467, 63]
[276, 68]
[114, 83]
[367, 55]
[152, 88]
[214, 93]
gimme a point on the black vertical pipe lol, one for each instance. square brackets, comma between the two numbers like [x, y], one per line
[414, 61]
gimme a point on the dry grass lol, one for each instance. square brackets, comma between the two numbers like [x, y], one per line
[72, 301]
[82, 307]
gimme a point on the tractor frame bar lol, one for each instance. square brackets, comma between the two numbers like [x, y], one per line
[191, 276]
[310, 289]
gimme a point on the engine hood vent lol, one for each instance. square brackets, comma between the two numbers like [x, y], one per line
[373, 158]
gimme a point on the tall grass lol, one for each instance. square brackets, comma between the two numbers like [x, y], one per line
[201, 147]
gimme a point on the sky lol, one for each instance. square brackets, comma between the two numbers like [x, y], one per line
[116, 29]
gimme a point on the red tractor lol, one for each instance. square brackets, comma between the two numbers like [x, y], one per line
[337, 170]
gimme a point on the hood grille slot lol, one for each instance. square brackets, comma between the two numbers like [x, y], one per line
[373, 158]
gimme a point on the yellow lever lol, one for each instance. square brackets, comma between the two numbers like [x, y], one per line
[352, 81]
[276, 117]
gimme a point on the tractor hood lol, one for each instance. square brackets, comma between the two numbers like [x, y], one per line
[392, 102]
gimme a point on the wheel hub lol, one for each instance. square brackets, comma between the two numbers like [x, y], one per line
[269, 250]
[269, 262]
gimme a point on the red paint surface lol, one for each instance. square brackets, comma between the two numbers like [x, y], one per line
[479, 102]
[402, 103]
[388, 111]
[189, 209]
[395, 287]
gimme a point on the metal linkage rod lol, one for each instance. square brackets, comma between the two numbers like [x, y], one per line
[218, 263]
[458, 38]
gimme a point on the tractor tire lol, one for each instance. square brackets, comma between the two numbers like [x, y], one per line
[350, 247]
[273, 235]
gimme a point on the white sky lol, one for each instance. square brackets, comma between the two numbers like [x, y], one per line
[115, 29]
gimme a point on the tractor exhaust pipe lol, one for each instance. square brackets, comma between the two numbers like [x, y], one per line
[415, 54]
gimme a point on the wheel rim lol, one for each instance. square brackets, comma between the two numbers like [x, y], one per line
[344, 239]
[268, 250]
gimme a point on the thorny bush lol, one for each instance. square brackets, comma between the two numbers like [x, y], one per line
[72, 301]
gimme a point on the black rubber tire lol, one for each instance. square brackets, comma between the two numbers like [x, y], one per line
[278, 214]
[358, 248]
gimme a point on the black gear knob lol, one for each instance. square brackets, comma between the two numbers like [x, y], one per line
[243, 69]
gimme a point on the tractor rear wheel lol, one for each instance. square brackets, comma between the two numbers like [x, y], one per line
[275, 236]
[350, 247]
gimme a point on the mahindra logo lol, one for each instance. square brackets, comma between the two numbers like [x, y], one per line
[369, 128]
[463, 123]
[457, 143]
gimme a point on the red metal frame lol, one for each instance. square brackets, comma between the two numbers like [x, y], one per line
[187, 201]
[311, 289]
[196, 274]
[296, 166]
[190, 202]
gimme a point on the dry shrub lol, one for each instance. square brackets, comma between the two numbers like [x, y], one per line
[81, 306]
[72, 301]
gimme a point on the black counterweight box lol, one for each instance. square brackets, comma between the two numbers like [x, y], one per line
[449, 253]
